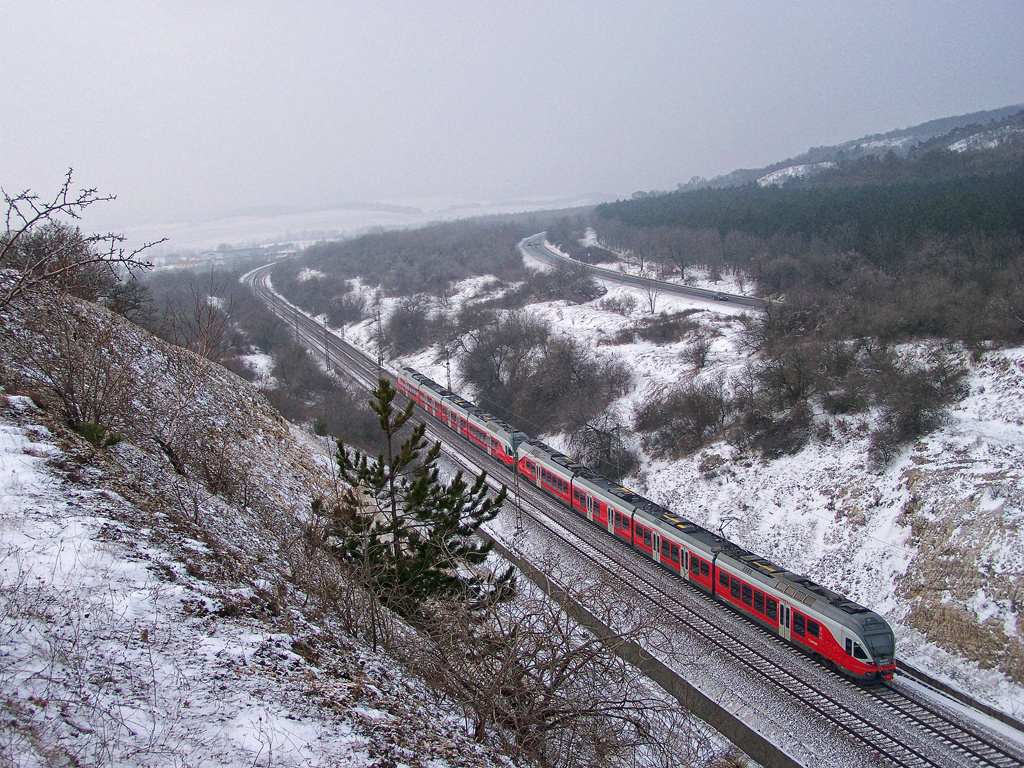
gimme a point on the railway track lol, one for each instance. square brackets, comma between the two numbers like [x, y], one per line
[913, 744]
[888, 722]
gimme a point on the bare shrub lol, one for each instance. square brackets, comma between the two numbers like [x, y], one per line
[698, 350]
[78, 359]
[538, 381]
[502, 356]
[776, 435]
[346, 309]
[240, 368]
[651, 294]
[298, 373]
[621, 305]
[531, 680]
[914, 400]
[40, 249]
[686, 418]
[198, 321]
[598, 444]
[347, 415]
[408, 327]
[789, 374]
[667, 329]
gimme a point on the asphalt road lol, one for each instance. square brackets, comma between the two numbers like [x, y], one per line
[534, 246]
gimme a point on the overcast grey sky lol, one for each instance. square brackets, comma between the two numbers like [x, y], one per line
[187, 109]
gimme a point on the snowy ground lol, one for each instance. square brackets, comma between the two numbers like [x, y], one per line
[145, 621]
[934, 542]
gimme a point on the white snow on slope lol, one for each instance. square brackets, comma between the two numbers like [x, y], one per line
[116, 651]
[95, 645]
[782, 175]
[987, 139]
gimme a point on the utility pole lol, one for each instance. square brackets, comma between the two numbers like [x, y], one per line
[380, 341]
[327, 345]
[448, 372]
[515, 483]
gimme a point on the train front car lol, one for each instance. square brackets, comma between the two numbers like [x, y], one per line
[821, 623]
[845, 635]
[873, 654]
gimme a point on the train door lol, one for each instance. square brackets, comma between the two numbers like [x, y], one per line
[785, 619]
[657, 548]
[684, 571]
[590, 506]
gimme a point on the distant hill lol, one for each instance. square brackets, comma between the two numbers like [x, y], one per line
[908, 184]
[959, 134]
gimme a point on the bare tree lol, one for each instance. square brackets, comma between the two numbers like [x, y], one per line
[199, 323]
[550, 693]
[64, 258]
[651, 293]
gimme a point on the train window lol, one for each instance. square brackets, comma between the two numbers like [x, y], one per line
[673, 553]
[798, 624]
[735, 589]
[812, 628]
[758, 601]
[647, 538]
[695, 565]
[723, 578]
[858, 652]
[705, 570]
[849, 647]
[771, 605]
[748, 594]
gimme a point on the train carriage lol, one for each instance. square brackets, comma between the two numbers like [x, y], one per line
[816, 620]
[599, 499]
[554, 471]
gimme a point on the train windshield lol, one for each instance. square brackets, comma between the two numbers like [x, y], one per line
[882, 644]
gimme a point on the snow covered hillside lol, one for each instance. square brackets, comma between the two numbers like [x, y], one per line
[146, 620]
[934, 542]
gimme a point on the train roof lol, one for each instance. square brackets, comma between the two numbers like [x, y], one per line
[514, 434]
[798, 588]
[559, 458]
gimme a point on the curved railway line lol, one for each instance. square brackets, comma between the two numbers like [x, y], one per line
[888, 721]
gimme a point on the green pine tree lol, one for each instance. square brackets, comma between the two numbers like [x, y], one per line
[408, 535]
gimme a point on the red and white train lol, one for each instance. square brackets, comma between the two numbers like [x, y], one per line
[847, 636]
